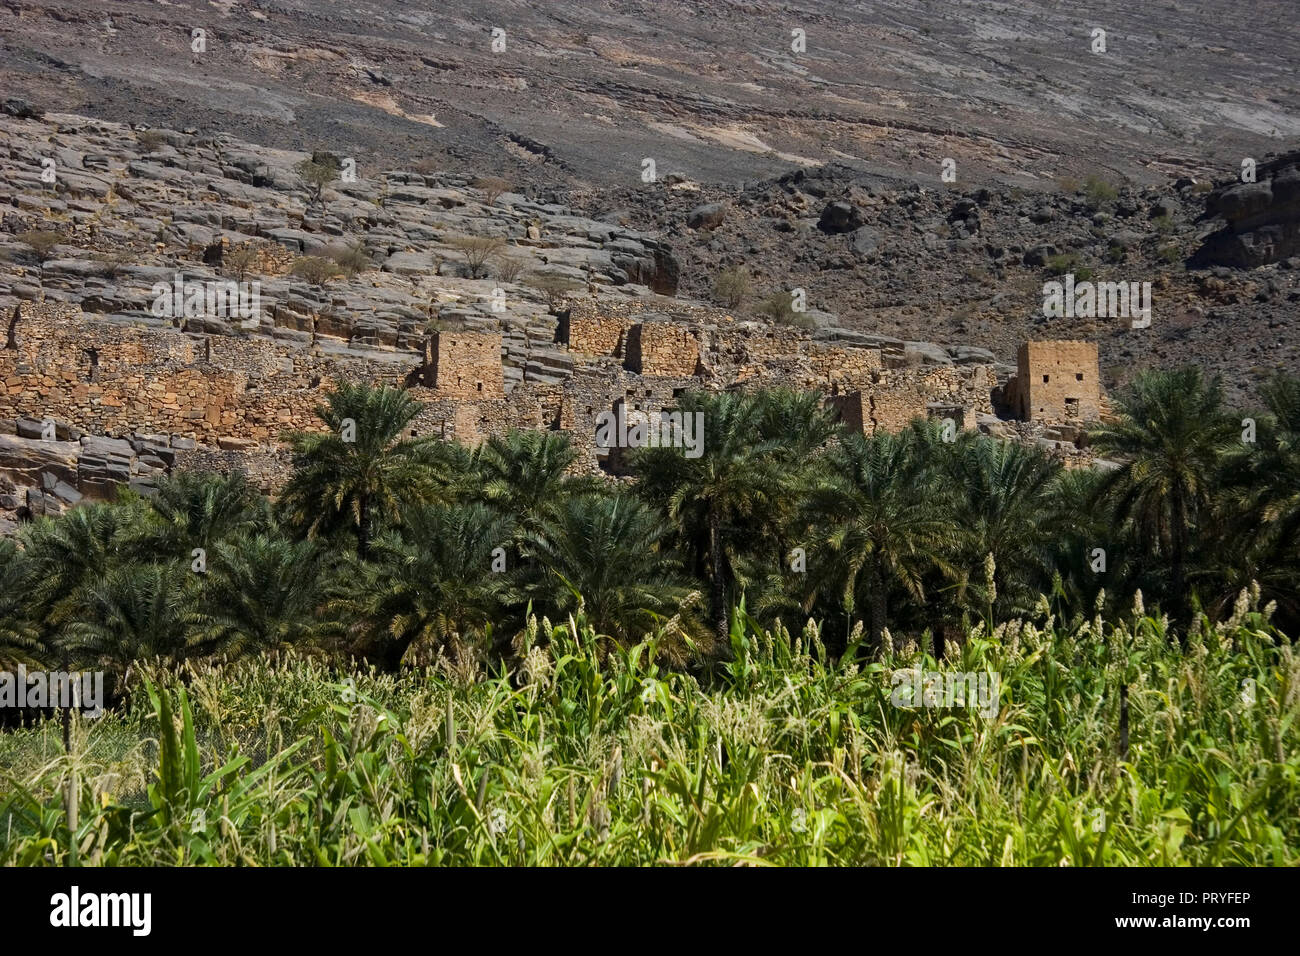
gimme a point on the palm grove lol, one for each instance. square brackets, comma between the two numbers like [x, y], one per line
[384, 548]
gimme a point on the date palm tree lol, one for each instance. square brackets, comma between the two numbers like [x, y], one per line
[19, 635]
[136, 612]
[719, 501]
[262, 592]
[1258, 536]
[198, 509]
[364, 471]
[432, 579]
[605, 555]
[887, 524]
[525, 474]
[67, 554]
[1170, 438]
[1005, 506]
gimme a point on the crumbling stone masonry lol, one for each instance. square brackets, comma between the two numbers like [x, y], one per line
[1056, 382]
[132, 399]
[465, 364]
[662, 348]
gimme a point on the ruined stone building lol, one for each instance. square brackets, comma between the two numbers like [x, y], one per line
[1056, 382]
[130, 400]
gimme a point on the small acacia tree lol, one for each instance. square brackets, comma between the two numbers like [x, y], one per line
[315, 269]
[41, 241]
[317, 175]
[732, 286]
[239, 262]
[492, 187]
[477, 250]
[556, 289]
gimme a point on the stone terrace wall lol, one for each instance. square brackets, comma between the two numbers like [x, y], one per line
[530, 405]
[115, 379]
[599, 327]
[897, 396]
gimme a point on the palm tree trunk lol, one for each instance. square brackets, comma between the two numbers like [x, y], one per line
[1178, 566]
[363, 531]
[718, 590]
[879, 607]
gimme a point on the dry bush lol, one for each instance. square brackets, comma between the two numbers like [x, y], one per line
[317, 176]
[239, 262]
[315, 269]
[780, 309]
[351, 259]
[511, 267]
[110, 262]
[150, 140]
[732, 287]
[556, 289]
[492, 187]
[477, 250]
[41, 241]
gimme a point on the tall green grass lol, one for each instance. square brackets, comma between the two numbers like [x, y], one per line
[591, 754]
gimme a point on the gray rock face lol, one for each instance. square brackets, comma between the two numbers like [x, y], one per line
[925, 353]
[863, 241]
[1262, 218]
[1038, 255]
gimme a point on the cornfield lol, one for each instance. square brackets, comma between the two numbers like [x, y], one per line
[1111, 745]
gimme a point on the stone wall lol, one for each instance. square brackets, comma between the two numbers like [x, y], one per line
[597, 335]
[895, 397]
[662, 348]
[1056, 381]
[466, 364]
[115, 379]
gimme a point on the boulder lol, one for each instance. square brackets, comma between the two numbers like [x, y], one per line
[840, 217]
[708, 216]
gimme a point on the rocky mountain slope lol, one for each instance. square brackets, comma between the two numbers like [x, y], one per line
[823, 162]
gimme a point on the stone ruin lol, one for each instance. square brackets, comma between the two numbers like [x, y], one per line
[87, 403]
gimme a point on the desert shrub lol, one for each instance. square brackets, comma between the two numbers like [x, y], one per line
[1169, 253]
[780, 309]
[511, 267]
[1164, 225]
[317, 175]
[477, 250]
[350, 258]
[1067, 185]
[555, 288]
[110, 262]
[315, 269]
[732, 286]
[492, 187]
[1098, 191]
[239, 262]
[41, 241]
[150, 140]
[1069, 262]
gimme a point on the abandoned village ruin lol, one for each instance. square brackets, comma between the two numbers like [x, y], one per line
[99, 389]
[126, 403]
